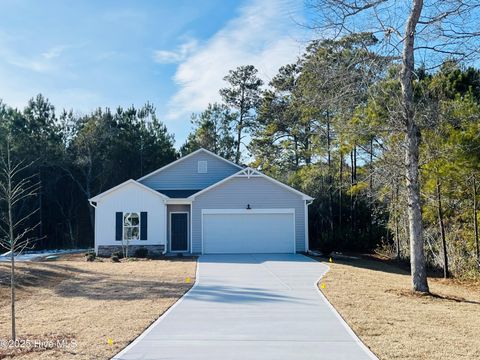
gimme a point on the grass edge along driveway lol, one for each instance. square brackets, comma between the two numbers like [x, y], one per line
[373, 297]
[102, 306]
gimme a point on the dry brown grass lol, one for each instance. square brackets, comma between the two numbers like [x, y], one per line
[373, 297]
[90, 302]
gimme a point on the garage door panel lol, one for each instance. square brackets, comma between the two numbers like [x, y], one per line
[248, 233]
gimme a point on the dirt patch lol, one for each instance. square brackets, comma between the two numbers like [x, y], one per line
[373, 296]
[96, 307]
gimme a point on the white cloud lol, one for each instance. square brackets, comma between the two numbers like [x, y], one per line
[265, 34]
[33, 64]
[176, 56]
[40, 62]
[54, 52]
[24, 74]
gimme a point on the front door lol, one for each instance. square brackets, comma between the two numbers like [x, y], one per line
[179, 232]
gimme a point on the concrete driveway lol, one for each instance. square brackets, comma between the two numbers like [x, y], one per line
[251, 307]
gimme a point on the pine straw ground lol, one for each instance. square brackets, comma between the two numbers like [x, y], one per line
[102, 306]
[373, 296]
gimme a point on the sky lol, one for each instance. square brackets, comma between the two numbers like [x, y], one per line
[87, 54]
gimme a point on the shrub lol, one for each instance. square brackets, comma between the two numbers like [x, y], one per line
[386, 249]
[115, 258]
[141, 253]
[118, 254]
[90, 256]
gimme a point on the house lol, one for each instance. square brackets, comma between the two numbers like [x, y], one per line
[202, 204]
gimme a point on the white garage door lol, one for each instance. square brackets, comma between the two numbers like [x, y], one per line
[248, 231]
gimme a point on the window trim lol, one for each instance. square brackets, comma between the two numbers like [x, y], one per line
[139, 225]
[206, 166]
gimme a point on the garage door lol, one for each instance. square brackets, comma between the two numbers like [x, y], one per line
[248, 231]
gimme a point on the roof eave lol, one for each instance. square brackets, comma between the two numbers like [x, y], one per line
[98, 197]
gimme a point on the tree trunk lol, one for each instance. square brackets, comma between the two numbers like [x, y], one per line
[412, 140]
[370, 192]
[71, 233]
[239, 138]
[475, 220]
[353, 182]
[355, 164]
[40, 205]
[9, 199]
[397, 227]
[417, 256]
[91, 210]
[330, 182]
[308, 158]
[240, 126]
[397, 237]
[12, 292]
[295, 141]
[351, 193]
[442, 229]
[340, 197]
[141, 156]
[370, 165]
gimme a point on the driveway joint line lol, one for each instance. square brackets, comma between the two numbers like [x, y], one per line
[272, 273]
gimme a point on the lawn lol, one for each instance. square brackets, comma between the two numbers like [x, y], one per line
[99, 306]
[373, 296]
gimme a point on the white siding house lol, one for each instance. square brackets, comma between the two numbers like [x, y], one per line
[130, 197]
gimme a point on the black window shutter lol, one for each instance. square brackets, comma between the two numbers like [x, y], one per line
[143, 226]
[118, 226]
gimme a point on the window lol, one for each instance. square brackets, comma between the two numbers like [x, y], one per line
[131, 226]
[202, 167]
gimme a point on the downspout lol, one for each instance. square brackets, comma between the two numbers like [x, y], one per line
[191, 227]
[165, 227]
[192, 199]
[94, 205]
[307, 239]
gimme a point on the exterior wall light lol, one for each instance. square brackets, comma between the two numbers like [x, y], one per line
[248, 207]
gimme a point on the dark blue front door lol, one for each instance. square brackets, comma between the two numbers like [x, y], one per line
[179, 232]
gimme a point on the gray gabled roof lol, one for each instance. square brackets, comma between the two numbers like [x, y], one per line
[186, 157]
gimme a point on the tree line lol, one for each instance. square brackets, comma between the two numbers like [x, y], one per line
[73, 157]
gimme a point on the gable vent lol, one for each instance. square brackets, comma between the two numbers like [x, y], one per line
[202, 167]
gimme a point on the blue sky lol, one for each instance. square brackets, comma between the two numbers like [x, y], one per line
[85, 54]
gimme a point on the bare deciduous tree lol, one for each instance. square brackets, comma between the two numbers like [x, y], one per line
[14, 191]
